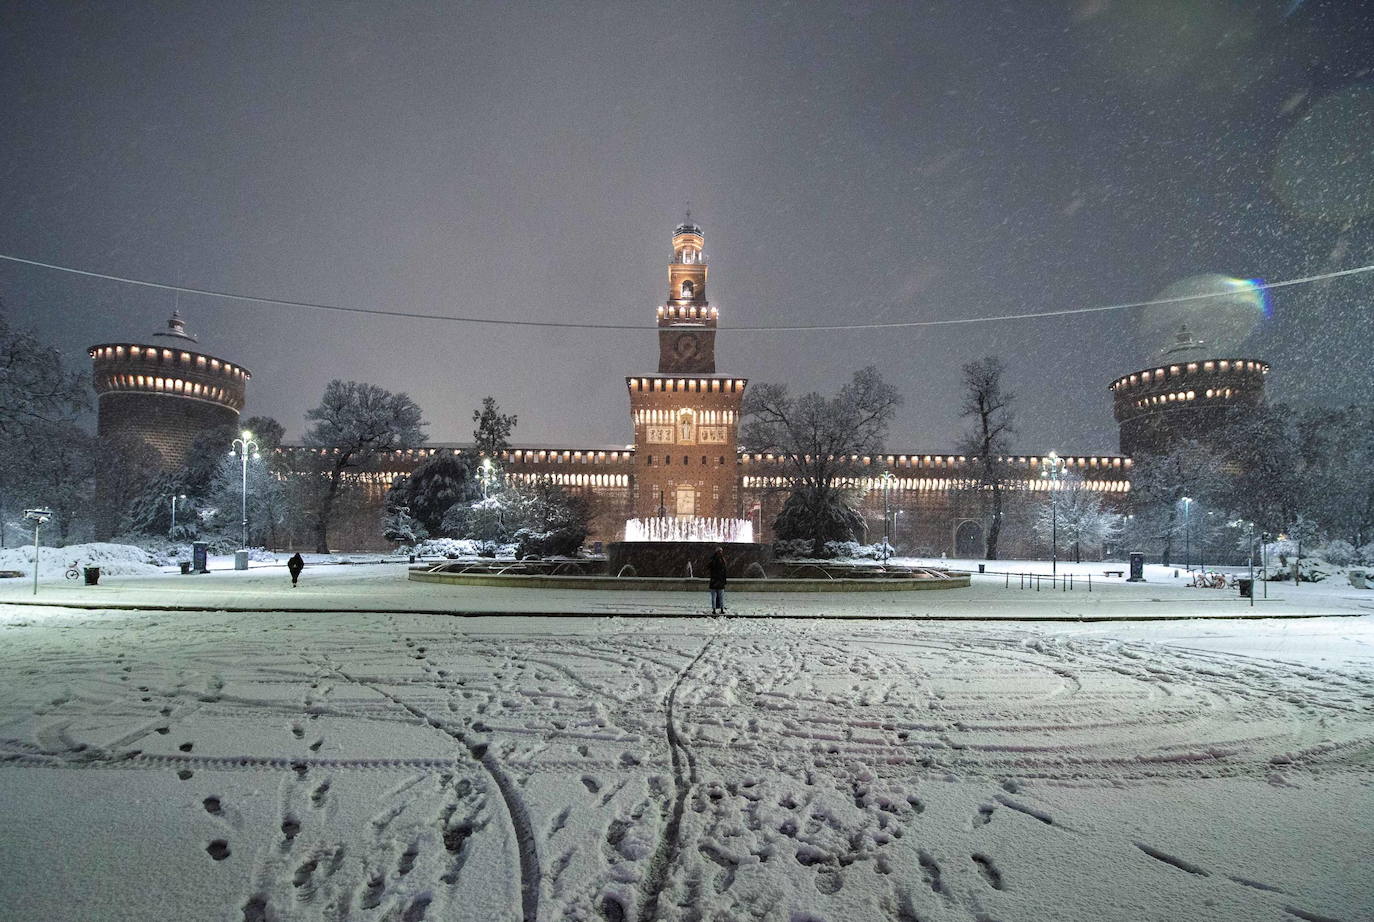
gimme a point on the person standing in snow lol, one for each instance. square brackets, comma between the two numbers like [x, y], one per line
[296, 564]
[716, 571]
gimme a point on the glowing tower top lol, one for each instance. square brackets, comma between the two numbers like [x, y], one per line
[687, 321]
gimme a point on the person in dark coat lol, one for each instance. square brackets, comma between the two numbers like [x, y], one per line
[716, 571]
[296, 564]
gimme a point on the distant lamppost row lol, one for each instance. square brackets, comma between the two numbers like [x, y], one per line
[887, 479]
[243, 447]
[1052, 478]
[38, 517]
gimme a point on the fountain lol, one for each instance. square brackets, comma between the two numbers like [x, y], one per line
[680, 546]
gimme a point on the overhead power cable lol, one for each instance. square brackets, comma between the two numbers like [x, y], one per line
[786, 328]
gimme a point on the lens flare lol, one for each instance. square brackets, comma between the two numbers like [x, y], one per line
[1221, 313]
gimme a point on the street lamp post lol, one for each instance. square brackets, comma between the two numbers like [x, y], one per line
[486, 475]
[1187, 535]
[887, 479]
[244, 446]
[1052, 477]
[38, 517]
[176, 498]
[1252, 563]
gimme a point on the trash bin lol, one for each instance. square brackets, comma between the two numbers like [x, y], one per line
[982, 568]
[92, 575]
[1358, 579]
[240, 560]
[185, 566]
[412, 558]
[1247, 588]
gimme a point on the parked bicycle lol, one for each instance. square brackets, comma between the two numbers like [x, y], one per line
[73, 571]
[1208, 579]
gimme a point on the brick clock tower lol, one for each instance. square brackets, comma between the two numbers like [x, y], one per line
[686, 417]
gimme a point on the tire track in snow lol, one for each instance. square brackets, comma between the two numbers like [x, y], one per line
[526, 844]
[668, 846]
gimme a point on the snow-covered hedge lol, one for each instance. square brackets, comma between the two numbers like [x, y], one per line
[800, 549]
[1338, 553]
[112, 559]
[445, 547]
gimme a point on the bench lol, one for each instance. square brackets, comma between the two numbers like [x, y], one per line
[1113, 572]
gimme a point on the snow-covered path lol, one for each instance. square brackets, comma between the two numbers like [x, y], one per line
[252, 767]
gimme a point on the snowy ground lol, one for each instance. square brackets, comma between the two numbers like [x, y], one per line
[331, 765]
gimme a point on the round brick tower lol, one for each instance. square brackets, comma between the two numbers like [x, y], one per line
[166, 393]
[1188, 396]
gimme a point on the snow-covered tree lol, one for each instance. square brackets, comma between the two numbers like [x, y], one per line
[35, 389]
[988, 403]
[434, 487]
[398, 526]
[1077, 518]
[831, 514]
[1158, 488]
[543, 518]
[54, 466]
[354, 424]
[37, 397]
[267, 500]
[818, 439]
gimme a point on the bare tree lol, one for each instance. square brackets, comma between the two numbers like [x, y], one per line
[353, 425]
[988, 440]
[819, 439]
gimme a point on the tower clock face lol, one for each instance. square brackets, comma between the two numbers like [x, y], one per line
[686, 347]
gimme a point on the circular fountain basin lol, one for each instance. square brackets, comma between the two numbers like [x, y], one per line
[683, 559]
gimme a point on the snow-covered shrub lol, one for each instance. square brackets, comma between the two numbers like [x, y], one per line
[792, 549]
[560, 542]
[1366, 554]
[112, 559]
[1281, 551]
[445, 547]
[399, 526]
[1338, 553]
[1309, 571]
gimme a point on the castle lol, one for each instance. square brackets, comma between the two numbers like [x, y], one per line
[686, 462]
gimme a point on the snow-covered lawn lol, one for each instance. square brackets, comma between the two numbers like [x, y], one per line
[340, 765]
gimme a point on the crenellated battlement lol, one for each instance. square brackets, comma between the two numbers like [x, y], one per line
[1155, 407]
[164, 371]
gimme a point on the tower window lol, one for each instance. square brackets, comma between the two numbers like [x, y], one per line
[687, 289]
[703, 460]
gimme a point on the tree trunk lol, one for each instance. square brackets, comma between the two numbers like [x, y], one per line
[1169, 536]
[995, 526]
[324, 513]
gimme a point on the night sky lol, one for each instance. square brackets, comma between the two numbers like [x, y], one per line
[851, 163]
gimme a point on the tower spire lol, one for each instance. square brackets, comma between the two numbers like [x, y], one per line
[687, 321]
